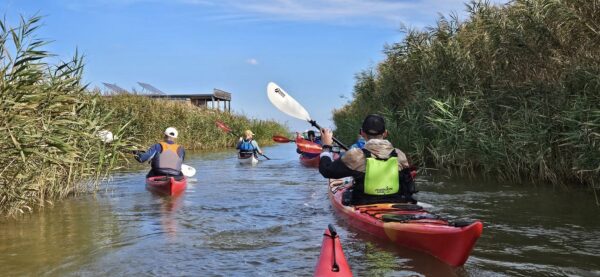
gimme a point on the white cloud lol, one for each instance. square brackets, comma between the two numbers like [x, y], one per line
[387, 12]
[252, 61]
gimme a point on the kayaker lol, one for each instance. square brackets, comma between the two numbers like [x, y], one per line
[381, 172]
[167, 156]
[247, 145]
[313, 137]
[360, 142]
[310, 136]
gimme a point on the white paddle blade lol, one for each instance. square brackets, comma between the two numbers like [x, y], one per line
[285, 102]
[187, 170]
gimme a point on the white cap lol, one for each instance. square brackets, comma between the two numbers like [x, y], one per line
[171, 132]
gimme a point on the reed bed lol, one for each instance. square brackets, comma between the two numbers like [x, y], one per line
[146, 119]
[512, 92]
[50, 123]
[49, 146]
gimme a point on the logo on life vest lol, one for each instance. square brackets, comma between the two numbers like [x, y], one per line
[278, 91]
[385, 190]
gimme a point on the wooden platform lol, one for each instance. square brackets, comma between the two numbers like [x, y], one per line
[202, 100]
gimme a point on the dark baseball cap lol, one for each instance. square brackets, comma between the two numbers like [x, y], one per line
[373, 125]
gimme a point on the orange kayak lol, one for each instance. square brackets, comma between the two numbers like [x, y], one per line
[409, 225]
[332, 261]
[166, 185]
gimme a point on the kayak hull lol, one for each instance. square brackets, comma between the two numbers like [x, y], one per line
[314, 161]
[166, 185]
[250, 160]
[310, 162]
[437, 237]
[324, 266]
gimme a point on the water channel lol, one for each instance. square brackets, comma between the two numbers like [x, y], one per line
[268, 220]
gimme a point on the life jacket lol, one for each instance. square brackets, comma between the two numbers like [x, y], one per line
[246, 146]
[381, 175]
[168, 161]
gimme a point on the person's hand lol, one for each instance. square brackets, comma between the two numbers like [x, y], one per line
[327, 136]
[137, 152]
[241, 139]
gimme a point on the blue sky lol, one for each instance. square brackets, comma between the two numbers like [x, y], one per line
[311, 48]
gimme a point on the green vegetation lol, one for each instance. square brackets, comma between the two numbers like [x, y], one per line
[49, 125]
[512, 92]
[146, 119]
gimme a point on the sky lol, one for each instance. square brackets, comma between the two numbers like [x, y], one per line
[311, 48]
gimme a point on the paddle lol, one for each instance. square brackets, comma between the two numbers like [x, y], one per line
[304, 146]
[288, 105]
[281, 139]
[228, 130]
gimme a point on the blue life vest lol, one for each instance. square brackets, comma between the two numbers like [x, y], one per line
[246, 146]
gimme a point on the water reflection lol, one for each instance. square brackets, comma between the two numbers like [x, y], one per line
[268, 220]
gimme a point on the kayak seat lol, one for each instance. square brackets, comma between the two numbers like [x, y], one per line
[407, 207]
[408, 217]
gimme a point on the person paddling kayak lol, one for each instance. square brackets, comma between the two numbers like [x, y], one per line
[167, 156]
[248, 146]
[312, 138]
[381, 172]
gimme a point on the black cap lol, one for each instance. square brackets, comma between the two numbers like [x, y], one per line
[373, 125]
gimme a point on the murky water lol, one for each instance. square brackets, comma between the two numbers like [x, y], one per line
[268, 220]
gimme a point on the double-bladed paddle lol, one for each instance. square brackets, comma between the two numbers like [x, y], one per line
[288, 105]
[221, 125]
[304, 146]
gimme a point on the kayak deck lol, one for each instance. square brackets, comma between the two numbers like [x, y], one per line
[332, 261]
[252, 160]
[166, 185]
[409, 225]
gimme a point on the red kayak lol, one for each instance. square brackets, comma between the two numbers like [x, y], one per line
[409, 225]
[332, 261]
[166, 185]
[310, 162]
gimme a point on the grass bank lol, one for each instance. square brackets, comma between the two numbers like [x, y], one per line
[145, 119]
[512, 92]
[50, 121]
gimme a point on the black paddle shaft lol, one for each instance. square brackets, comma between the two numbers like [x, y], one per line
[314, 124]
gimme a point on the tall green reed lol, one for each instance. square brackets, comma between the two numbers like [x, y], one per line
[49, 146]
[511, 92]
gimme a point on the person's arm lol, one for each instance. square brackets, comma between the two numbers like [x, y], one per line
[327, 166]
[333, 169]
[255, 144]
[239, 144]
[182, 153]
[143, 157]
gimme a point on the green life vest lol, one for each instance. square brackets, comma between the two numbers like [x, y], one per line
[381, 175]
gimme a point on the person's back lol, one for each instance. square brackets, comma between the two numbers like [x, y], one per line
[381, 173]
[247, 146]
[166, 156]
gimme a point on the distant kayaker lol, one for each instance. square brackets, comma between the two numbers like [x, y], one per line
[167, 156]
[247, 145]
[310, 136]
[360, 142]
[381, 172]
